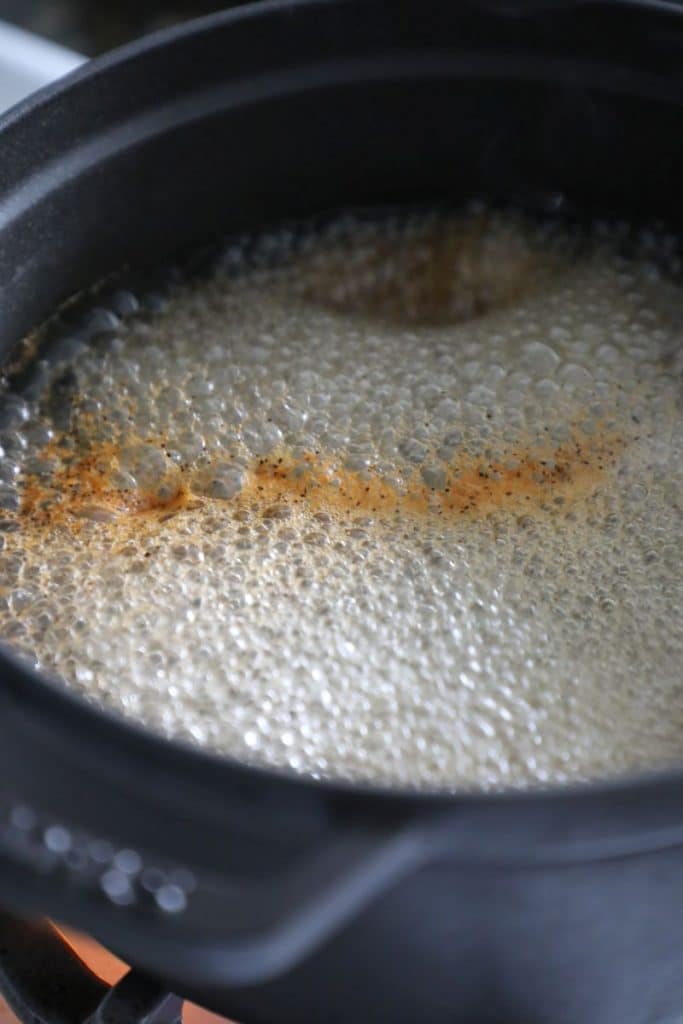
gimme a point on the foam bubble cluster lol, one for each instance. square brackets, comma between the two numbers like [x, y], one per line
[396, 499]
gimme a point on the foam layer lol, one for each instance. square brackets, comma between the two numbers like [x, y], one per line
[396, 500]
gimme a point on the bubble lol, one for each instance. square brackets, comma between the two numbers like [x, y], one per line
[434, 476]
[124, 303]
[396, 499]
[101, 322]
[261, 439]
[14, 411]
[9, 499]
[574, 376]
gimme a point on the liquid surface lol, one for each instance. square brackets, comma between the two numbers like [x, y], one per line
[393, 500]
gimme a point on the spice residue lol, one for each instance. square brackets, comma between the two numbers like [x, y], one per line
[537, 478]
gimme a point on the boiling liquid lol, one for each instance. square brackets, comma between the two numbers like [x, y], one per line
[397, 500]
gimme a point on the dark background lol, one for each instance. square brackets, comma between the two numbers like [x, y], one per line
[92, 26]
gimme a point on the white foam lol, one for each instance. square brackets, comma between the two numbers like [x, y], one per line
[431, 646]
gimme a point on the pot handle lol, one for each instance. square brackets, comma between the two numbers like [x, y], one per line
[280, 923]
[228, 929]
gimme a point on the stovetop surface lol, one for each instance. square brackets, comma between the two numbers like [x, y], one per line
[93, 27]
[110, 969]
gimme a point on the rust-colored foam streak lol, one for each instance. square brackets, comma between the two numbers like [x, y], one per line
[527, 478]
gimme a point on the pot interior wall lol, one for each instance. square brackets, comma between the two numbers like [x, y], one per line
[181, 143]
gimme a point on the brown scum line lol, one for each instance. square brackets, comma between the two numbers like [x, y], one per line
[524, 480]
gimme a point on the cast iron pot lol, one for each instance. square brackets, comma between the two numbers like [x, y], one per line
[267, 897]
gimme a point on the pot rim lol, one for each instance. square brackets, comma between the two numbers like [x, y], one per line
[39, 694]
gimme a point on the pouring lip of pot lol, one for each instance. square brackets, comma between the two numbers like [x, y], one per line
[91, 767]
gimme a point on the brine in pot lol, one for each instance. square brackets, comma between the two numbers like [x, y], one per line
[397, 499]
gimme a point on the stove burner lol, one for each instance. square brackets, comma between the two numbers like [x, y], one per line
[44, 982]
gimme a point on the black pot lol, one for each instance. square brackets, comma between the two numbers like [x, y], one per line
[298, 901]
